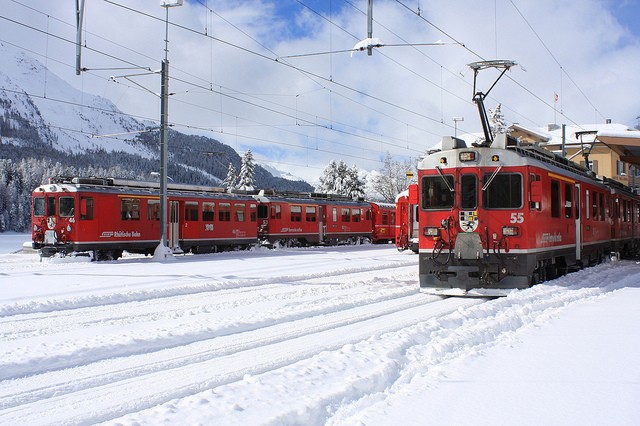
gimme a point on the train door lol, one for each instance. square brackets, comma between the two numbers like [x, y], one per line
[174, 225]
[578, 224]
[322, 227]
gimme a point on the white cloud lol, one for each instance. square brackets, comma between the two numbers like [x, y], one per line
[400, 99]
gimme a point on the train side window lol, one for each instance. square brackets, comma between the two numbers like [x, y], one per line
[568, 200]
[437, 192]
[345, 215]
[468, 192]
[296, 214]
[502, 191]
[130, 209]
[191, 211]
[535, 191]
[393, 218]
[555, 198]
[334, 214]
[275, 212]
[239, 212]
[51, 206]
[224, 212]
[38, 206]
[252, 215]
[153, 210]
[595, 205]
[355, 215]
[86, 208]
[587, 203]
[208, 212]
[385, 218]
[310, 214]
[601, 206]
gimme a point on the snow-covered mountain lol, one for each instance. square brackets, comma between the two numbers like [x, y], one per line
[43, 116]
[64, 118]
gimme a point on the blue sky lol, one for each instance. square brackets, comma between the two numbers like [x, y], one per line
[301, 115]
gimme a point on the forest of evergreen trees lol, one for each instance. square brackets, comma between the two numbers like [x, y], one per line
[26, 162]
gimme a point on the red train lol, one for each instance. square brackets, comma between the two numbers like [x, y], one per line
[500, 214]
[407, 228]
[109, 216]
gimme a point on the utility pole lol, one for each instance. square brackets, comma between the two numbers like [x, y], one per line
[164, 131]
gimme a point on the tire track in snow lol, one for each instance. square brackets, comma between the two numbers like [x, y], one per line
[194, 368]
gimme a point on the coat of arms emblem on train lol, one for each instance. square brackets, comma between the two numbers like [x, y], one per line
[468, 221]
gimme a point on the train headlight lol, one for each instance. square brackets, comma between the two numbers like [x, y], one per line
[36, 228]
[510, 231]
[467, 156]
[431, 231]
[68, 228]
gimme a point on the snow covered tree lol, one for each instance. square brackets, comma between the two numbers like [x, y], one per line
[246, 179]
[496, 119]
[231, 180]
[392, 179]
[337, 178]
[353, 185]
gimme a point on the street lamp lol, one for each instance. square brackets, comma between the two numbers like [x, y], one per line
[455, 125]
[164, 116]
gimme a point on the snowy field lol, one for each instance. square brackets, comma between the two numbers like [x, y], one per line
[336, 336]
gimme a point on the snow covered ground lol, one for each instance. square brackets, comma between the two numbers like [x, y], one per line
[337, 336]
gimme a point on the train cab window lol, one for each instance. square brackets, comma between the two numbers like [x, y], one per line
[437, 192]
[310, 214]
[345, 215]
[555, 198]
[51, 206]
[191, 211]
[153, 210]
[468, 192]
[130, 209]
[568, 200]
[296, 214]
[239, 212]
[601, 206]
[224, 212]
[355, 215]
[252, 215]
[502, 191]
[276, 212]
[208, 212]
[86, 208]
[38, 206]
[67, 206]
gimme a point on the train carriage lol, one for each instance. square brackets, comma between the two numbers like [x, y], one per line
[510, 215]
[310, 219]
[407, 227]
[502, 214]
[108, 216]
[383, 219]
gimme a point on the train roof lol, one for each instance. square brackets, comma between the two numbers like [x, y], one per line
[517, 153]
[266, 196]
[115, 185]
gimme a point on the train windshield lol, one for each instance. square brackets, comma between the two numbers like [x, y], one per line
[437, 193]
[38, 206]
[502, 191]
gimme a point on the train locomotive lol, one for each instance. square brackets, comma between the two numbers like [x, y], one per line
[502, 214]
[107, 216]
